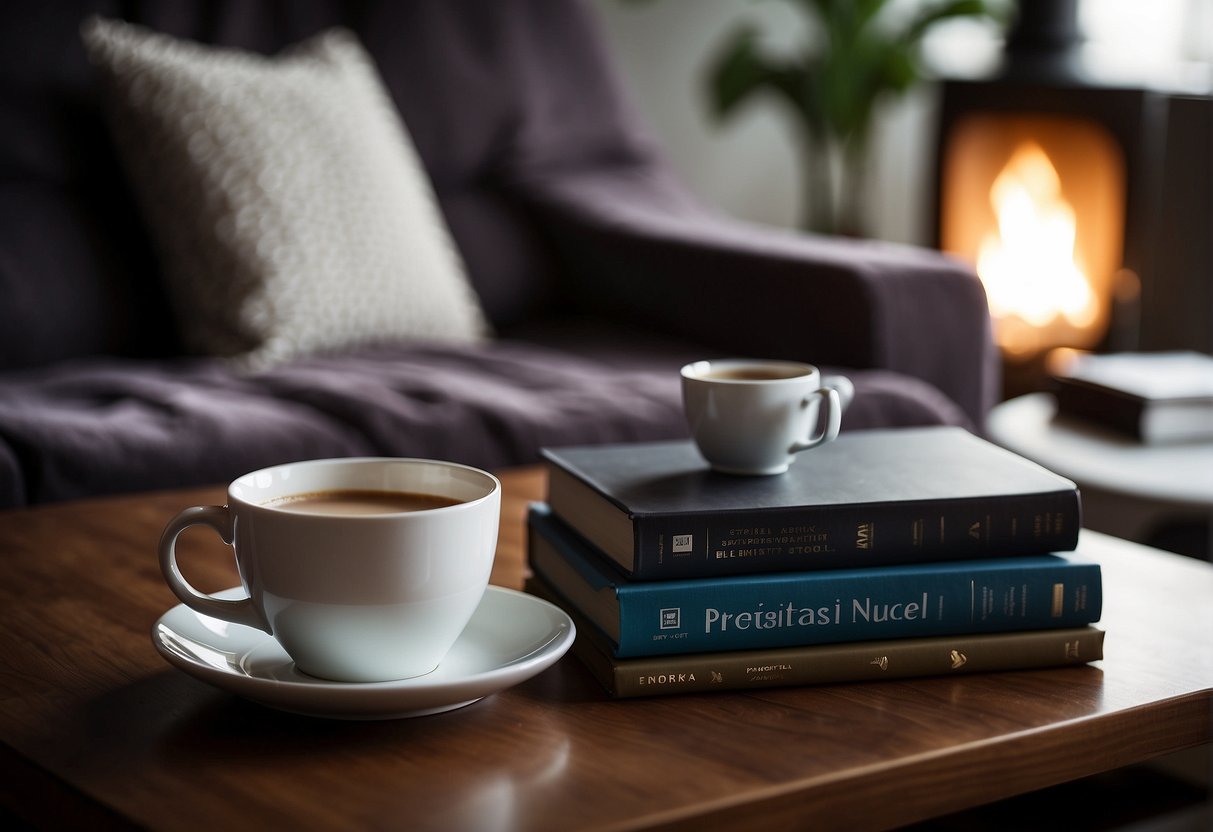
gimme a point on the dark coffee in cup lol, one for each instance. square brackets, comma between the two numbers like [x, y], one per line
[754, 373]
[358, 501]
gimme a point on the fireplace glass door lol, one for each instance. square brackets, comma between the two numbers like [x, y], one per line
[1037, 203]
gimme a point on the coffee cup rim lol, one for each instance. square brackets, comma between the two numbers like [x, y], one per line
[697, 370]
[491, 483]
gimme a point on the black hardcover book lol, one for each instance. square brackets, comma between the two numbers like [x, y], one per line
[1154, 397]
[868, 498]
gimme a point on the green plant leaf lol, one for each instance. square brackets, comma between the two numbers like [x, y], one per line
[737, 72]
[933, 14]
[899, 68]
[742, 69]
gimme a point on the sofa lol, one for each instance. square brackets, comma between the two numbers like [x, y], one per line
[595, 271]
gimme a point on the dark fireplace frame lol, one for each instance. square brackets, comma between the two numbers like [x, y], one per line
[1166, 138]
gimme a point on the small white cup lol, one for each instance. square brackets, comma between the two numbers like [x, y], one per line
[356, 598]
[751, 416]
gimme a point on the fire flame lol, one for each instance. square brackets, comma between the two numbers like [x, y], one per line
[1028, 265]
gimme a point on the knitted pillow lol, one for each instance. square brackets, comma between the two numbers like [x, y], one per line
[289, 206]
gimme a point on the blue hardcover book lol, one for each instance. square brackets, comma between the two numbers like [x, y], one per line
[786, 609]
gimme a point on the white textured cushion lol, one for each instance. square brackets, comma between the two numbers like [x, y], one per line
[288, 204]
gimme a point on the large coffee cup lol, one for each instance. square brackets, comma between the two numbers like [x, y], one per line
[752, 416]
[363, 569]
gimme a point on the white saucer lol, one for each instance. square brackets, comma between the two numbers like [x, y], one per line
[511, 637]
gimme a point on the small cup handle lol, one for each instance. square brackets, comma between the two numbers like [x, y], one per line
[844, 386]
[832, 403]
[240, 611]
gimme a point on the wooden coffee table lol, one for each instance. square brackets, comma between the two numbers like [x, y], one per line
[99, 732]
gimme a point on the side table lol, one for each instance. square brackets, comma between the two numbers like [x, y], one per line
[1156, 494]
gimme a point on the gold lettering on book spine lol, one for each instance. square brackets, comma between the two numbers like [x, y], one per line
[865, 535]
[1059, 600]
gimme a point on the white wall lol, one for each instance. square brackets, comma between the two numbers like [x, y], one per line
[747, 167]
[750, 165]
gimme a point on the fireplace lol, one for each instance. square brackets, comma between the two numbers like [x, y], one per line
[1085, 205]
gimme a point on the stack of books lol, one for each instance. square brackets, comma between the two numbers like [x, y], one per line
[883, 554]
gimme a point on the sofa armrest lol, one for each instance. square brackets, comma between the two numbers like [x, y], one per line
[635, 246]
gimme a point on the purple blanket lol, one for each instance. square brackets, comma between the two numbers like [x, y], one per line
[107, 426]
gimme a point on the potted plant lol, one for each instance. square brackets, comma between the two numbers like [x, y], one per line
[865, 52]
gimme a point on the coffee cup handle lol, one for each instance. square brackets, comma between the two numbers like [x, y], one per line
[844, 386]
[240, 611]
[833, 416]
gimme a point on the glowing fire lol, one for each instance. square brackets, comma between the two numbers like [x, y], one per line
[1028, 265]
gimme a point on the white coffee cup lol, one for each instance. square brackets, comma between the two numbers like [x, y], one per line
[752, 416]
[375, 595]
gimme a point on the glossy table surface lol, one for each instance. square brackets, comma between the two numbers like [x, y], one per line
[98, 731]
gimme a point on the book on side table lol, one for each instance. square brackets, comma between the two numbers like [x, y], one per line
[792, 609]
[869, 498]
[1156, 397]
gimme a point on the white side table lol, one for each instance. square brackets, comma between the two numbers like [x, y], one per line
[1129, 490]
